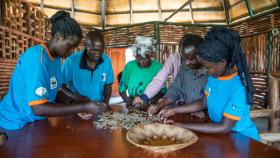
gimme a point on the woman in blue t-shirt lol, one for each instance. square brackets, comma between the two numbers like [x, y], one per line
[36, 79]
[229, 90]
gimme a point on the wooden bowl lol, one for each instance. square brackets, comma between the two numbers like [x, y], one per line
[161, 137]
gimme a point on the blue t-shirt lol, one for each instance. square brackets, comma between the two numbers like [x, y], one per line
[35, 80]
[226, 97]
[84, 81]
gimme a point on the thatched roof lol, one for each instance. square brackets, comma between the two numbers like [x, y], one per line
[112, 13]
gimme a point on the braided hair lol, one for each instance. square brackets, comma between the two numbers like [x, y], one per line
[65, 25]
[224, 44]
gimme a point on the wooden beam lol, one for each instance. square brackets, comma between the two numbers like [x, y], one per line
[191, 12]
[268, 10]
[130, 13]
[183, 6]
[225, 6]
[218, 9]
[66, 9]
[249, 7]
[159, 11]
[236, 3]
[73, 9]
[115, 27]
[103, 12]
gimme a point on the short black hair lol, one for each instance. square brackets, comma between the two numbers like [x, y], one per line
[190, 39]
[95, 35]
[65, 25]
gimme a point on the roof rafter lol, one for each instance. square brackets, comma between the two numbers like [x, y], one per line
[183, 6]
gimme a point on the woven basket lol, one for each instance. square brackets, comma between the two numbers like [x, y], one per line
[161, 137]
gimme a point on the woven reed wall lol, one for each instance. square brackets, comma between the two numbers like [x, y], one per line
[255, 45]
[21, 26]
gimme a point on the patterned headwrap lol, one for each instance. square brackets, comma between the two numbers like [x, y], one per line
[143, 45]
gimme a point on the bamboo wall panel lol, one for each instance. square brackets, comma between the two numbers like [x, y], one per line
[26, 18]
[6, 70]
[125, 37]
[259, 25]
[275, 62]
[14, 43]
[256, 52]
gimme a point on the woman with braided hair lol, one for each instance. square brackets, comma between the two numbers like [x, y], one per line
[37, 78]
[229, 90]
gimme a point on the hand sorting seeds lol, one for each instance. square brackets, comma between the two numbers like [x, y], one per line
[115, 120]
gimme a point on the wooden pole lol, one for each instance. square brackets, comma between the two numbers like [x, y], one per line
[274, 102]
[130, 13]
[42, 5]
[191, 12]
[183, 6]
[73, 9]
[249, 7]
[157, 37]
[159, 11]
[103, 11]
[225, 6]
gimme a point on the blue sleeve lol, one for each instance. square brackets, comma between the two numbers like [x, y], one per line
[37, 81]
[110, 73]
[67, 71]
[237, 105]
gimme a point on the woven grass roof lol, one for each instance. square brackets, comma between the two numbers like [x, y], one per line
[112, 13]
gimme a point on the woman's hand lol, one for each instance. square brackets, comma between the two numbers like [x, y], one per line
[85, 116]
[153, 109]
[167, 113]
[137, 102]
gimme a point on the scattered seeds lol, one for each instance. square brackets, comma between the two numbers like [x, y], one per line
[115, 120]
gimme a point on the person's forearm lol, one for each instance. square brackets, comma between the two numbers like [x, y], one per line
[71, 94]
[190, 108]
[107, 93]
[205, 128]
[158, 81]
[54, 109]
[125, 97]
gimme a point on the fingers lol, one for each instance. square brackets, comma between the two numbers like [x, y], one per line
[164, 114]
[137, 102]
[85, 116]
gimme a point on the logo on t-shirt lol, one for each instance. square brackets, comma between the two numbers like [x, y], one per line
[53, 82]
[40, 91]
[103, 77]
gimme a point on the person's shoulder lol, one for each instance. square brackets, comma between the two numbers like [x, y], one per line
[131, 63]
[77, 54]
[236, 82]
[32, 54]
[106, 58]
[34, 50]
[156, 63]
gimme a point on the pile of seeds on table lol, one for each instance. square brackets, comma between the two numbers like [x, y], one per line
[115, 120]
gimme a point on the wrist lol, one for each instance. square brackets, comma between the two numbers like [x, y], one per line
[145, 98]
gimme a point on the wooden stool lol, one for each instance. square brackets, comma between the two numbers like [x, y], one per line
[272, 139]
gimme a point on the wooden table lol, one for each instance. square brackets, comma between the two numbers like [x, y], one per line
[71, 137]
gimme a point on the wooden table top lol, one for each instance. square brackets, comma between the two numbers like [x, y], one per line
[71, 137]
